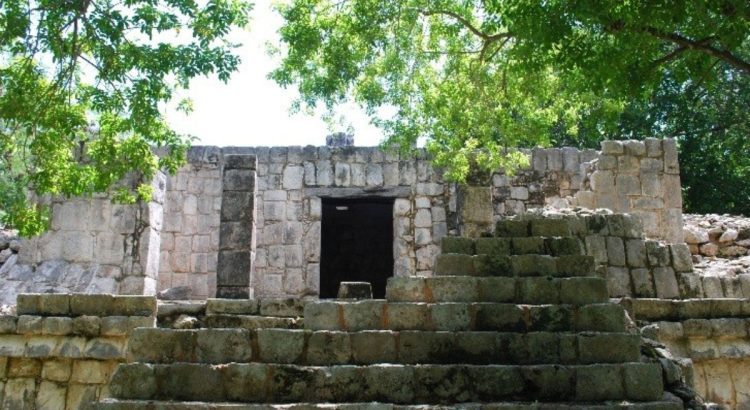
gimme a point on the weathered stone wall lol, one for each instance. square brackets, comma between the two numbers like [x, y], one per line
[190, 237]
[60, 351]
[633, 265]
[713, 335]
[93, 246]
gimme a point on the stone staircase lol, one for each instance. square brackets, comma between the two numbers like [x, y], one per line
[516, 321]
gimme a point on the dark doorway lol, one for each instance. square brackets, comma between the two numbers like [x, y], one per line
[356, 243]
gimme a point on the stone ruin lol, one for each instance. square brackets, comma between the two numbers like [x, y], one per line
[568, 284]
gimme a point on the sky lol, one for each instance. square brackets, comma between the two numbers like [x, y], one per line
[251, 110]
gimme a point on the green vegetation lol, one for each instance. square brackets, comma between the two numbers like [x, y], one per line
[504, 73]
[81, 87]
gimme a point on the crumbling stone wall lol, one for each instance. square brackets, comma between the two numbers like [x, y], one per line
[93, 246]
[190, 237]
[60, 351]
[712, 334]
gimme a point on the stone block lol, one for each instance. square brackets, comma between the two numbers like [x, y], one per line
[105, 348]
[665, 283]
[454, 265]
[618, 282]
[533, 265]
[57, 370]
[643, 381]
[87, 325]
[643, 285]
[134, 381]
[575, 265]
[583, 291]
[389, 383]
[223, 346]
[682, 261]
[29, 325]
[233, 161]
[550, 227]
[451, 244]
[602, 182]
[41, 346]
[636, 253]
[282, 307]
[404, 316]
[498, 290]
[370, 347]
[564, 246]
[550, 318]
[323, 315]
[452, 289]
[495, 381]
[19, 394]
[238, 180]
[499, 317]
[245, 382]
[527, 245]
[293, 177]
[550, 383]
[133, 305]
[43, 304]
[608, 348]
[12, 345]
[159, 345]
[509, 228]
[94, 305]
[237, 206]
[8, 324]
[657, 254]
[328, 348]
[493, 246]
[72, 347]
[451, 316]
[426, 347]
[90, 372]
[616, 251]
[596, 246]
[233, 268]
[363, 315]
[537, 290]
[601, 318]
[599, 382]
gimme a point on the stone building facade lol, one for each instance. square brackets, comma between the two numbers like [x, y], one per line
[179, 238]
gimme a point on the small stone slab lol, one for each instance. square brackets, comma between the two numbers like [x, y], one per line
[354, 290]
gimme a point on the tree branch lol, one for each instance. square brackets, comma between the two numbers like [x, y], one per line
[466, 23]
[702, 47]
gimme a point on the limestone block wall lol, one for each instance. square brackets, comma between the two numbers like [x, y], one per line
[290, 185]
[713, 334]
[60, 350]
[190, 236]
[93, 246]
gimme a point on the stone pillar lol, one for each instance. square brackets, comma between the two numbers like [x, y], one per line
[475, 210]
[236, 229]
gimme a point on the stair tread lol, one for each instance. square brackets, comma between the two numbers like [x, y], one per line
[114, 404]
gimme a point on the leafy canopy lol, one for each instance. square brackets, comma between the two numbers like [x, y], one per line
[81, 87]
[497, 74]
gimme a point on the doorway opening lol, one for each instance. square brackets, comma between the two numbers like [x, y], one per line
[356, 243]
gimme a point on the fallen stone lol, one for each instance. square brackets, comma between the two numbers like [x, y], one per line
[355, 290]
[186, 322]
[175, 293]
[695, 235]
[728, 236]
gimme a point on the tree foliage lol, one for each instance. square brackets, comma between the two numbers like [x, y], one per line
[503, 73]
[82, 83]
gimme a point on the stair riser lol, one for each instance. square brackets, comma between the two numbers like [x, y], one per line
[387, 383]
[539, 245]
[340, 348]
[251, 322]
[535, 290]
[379, 315]
[450, 264]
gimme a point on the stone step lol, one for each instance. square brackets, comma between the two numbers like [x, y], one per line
[252, 322]
[504, 317]
[216, 346]
[79, 304]
[533, 227]
[555, 246]
[527, 290]
[279, 307]
[407, 384]
[456, 264]
[665, 309]
[113, 404]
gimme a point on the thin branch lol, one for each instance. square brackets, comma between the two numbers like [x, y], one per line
[466, 23]
[702, 47]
